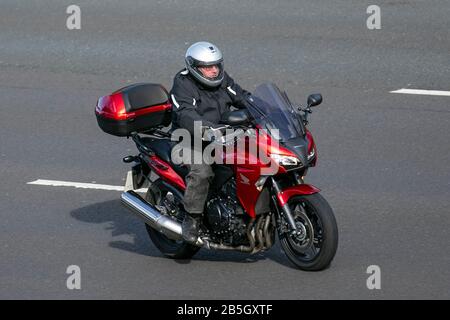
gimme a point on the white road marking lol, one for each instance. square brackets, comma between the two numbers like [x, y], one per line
[422, 92]
[56, 183]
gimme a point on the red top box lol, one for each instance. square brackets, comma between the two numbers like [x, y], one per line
[135, 108]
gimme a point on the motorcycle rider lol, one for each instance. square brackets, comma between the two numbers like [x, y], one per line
[203, 91]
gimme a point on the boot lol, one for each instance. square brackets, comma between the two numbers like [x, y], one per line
[190, 227]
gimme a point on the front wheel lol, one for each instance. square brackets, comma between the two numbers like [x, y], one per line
[314, 246]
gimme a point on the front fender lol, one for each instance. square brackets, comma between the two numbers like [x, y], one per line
[301, 189]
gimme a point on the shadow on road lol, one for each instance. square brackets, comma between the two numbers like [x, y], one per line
[120, 222]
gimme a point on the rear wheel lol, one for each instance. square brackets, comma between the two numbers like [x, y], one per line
[314, 247]
[158, 194]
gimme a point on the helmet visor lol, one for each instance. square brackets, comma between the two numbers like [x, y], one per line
[211, 71]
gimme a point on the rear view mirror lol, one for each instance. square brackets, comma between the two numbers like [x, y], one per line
[314, 99]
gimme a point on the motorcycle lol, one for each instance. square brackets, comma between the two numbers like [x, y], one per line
[245, 209]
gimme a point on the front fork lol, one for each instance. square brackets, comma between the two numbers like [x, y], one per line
[285, 211]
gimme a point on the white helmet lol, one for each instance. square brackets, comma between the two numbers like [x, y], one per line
[204, 54]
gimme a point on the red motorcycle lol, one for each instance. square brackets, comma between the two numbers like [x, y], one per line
[246, 208]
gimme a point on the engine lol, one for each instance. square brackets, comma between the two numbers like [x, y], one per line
[226, 217]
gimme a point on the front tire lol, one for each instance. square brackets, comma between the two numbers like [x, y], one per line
[168, 247]
[315, 247]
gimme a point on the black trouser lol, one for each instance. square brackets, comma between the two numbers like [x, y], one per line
[197, 186]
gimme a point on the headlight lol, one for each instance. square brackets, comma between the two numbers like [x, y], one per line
[285, 160]
[311, 154]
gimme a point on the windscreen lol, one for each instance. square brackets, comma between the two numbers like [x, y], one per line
[272, 110]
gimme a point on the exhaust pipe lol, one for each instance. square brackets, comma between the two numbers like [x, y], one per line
[150, 215]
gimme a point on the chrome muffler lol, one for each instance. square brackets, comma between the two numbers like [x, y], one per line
[150, 215]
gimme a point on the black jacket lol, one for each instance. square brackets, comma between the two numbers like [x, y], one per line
[194, 102]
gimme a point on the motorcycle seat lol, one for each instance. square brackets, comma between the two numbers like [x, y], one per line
[163, 149]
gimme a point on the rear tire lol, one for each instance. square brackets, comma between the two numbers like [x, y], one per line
[317, 249]
[168, 247]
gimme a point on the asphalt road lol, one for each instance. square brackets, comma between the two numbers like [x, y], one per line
[384, 158]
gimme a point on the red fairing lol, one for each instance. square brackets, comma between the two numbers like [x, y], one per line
[311, 147]
[267, 143]
[302, 189]
[166, 173]
[245, 188]
[113, 107]
[248, 170]
[248, 174]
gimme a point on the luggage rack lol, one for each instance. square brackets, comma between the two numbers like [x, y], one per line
[155, 132]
